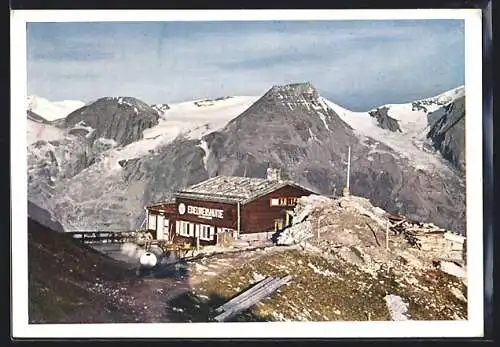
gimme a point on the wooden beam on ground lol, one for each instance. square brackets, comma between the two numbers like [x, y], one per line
[239, 298]
[254, 298]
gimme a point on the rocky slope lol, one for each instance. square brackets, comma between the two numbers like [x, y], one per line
[105, 182]
[64, 148]
[447, 132]
[121, 119]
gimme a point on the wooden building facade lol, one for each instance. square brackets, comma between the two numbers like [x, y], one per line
[222, 208]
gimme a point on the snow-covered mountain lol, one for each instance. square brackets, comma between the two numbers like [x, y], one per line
[51, 110]
[406, 127]
[185, 119]
[118, 154]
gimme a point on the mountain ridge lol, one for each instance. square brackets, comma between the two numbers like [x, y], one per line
[290, 126]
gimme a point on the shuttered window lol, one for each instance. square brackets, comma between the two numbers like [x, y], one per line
[207, 232]
[275, 202]
[185, 229]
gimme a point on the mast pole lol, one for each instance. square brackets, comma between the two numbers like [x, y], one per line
[348, 166]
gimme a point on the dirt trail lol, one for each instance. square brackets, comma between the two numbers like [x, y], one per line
[152, 298]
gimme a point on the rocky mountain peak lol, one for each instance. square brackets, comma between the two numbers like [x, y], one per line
[293, 92]
[122, 119]
[297, 110]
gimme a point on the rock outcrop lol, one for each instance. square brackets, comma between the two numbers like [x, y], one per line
[447, 132]
[384, 120]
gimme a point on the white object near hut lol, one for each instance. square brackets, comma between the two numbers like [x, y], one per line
[148, 259]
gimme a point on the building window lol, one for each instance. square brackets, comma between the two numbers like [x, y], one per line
[283, 201]
[184, 228]
[207, 232]
[152, 222]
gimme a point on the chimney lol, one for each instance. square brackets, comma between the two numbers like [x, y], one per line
[273, 174]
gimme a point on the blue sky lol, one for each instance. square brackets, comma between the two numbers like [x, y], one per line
[357, 64]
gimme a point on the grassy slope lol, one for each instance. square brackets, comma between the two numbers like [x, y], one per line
[349, 295]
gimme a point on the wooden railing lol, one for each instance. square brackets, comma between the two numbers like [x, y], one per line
[93, 237]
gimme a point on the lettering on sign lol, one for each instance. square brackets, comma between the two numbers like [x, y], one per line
[207, 213]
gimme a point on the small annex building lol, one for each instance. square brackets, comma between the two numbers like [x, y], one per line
[224, 208]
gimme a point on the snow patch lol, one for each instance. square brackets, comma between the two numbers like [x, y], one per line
[409, 144]
[453, 269]
[203, 145]
[397, 307]
[52, 110]
[39, 131]
[323, 104]
[123, 102]
[187, 120]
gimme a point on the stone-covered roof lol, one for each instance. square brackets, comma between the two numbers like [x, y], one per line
[233, 189]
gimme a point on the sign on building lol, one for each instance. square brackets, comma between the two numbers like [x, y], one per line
[201, 212]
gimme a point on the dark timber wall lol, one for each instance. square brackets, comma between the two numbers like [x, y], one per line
[256, 217]
[259, 216]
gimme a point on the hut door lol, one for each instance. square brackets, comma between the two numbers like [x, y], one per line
[278, 224]
[159, 228]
